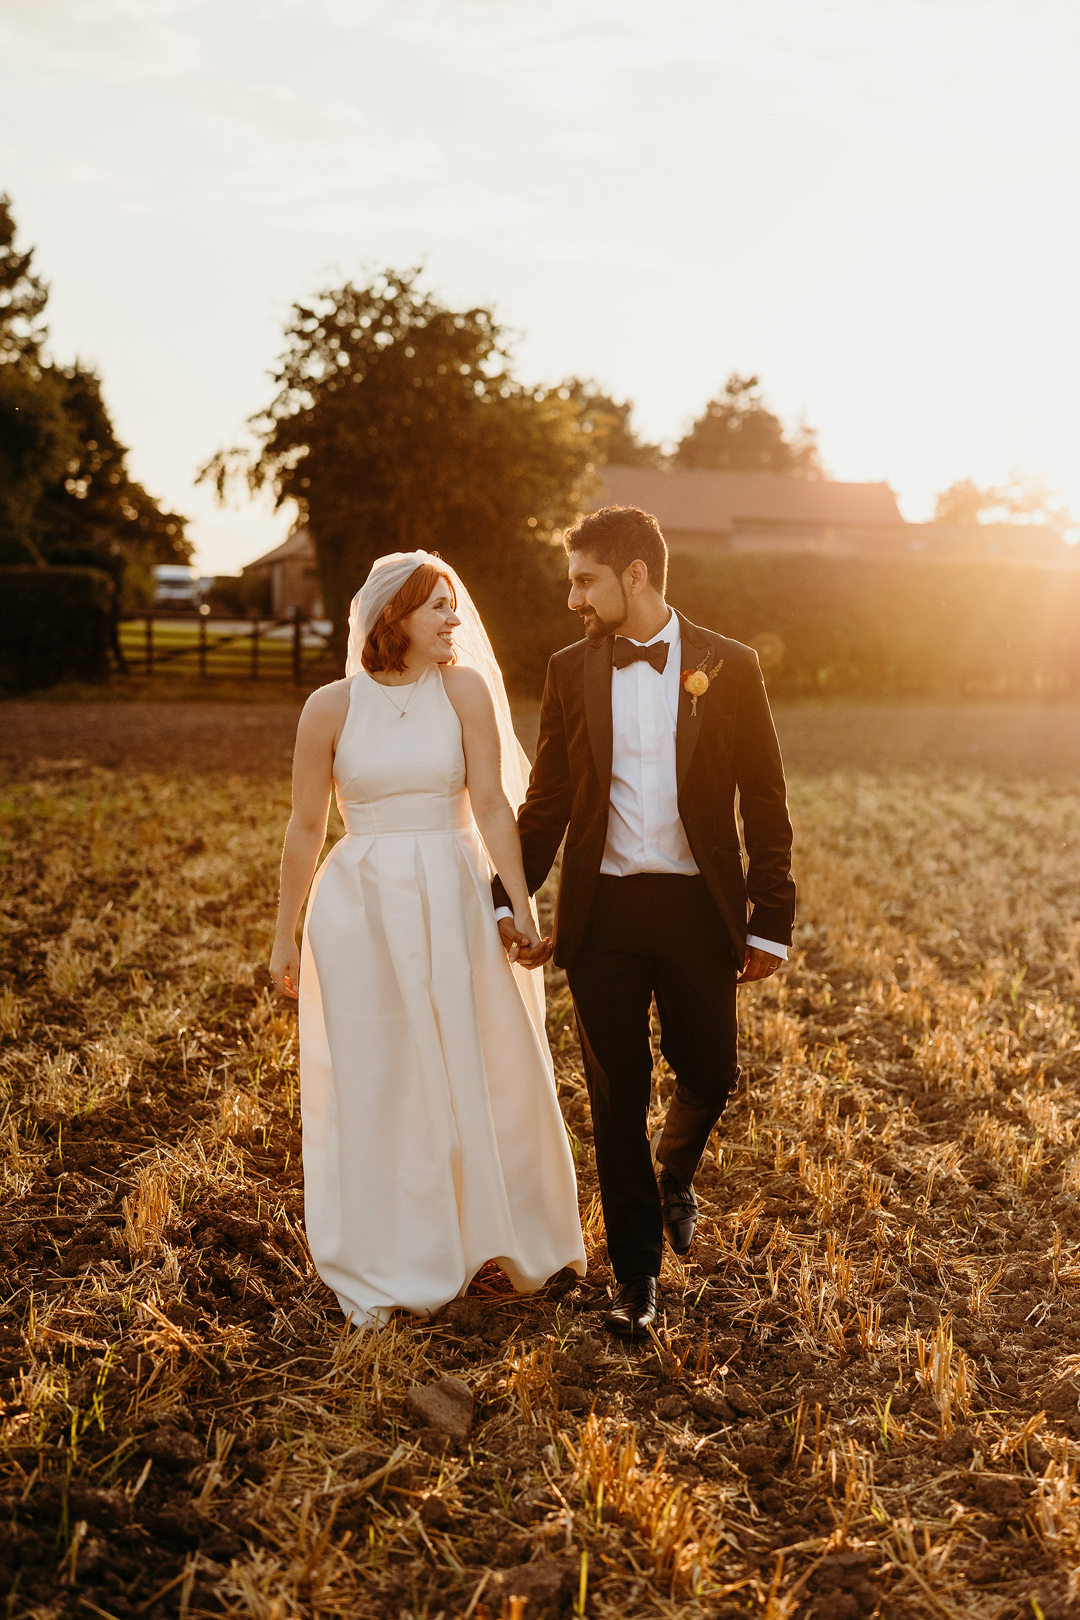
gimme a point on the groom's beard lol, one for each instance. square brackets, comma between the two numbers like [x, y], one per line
[598, 629]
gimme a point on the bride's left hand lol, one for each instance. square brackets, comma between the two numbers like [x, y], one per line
[522, 943]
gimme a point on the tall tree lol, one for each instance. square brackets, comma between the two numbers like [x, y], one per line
[66, 495]
[97, 509]
[22, 296]
[397, 424]
[1021, 499]
[37, 445]
[608, 422]
[36, 440]
[962, 502]
[736, 432]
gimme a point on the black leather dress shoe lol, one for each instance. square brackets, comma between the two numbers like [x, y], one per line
[634, 1310]
[680, 1211]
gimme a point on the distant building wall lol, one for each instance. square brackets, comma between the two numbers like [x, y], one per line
[293, 575]
[295, 584]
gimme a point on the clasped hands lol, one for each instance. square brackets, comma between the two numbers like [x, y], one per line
[529, 952]
[521, 943]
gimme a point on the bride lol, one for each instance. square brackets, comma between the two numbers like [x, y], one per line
[433, 1140]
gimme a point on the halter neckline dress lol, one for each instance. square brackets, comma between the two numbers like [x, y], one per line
[433, 1139]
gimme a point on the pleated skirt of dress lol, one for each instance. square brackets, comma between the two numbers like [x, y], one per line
[433, 1138]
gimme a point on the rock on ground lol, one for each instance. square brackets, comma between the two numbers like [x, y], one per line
[446, 1407]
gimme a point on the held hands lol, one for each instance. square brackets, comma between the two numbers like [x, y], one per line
[285, 967]
[522, 943]
[759, 964]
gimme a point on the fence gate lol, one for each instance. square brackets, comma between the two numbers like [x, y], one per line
[196, 644]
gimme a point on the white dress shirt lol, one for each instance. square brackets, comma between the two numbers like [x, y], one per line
[645, 831]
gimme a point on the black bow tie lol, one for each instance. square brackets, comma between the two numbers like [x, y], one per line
[628, 652]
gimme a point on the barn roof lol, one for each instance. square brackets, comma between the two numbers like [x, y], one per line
[719, 500]
[298, 544]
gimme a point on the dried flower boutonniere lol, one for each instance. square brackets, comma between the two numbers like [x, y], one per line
[697, 681]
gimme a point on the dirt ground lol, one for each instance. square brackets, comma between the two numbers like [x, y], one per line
[1016, 740]
[255, 739]
[863, 1395]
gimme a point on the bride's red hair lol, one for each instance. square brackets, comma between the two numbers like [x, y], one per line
[387, 645]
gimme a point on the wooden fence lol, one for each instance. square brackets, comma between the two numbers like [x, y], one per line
[198, 645]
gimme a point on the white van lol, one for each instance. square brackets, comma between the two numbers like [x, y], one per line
[175, 586]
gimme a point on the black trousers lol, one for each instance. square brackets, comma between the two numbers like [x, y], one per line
[649, 935]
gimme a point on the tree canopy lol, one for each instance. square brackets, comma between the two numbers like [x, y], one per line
[66, 495]
[22, 296]
[37, 444]
[397, 424]
[736, 432]
[608, 422]
[1021, 499]
[97, 505]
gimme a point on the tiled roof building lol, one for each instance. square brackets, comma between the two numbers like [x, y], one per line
[714, 512]
[730, 511]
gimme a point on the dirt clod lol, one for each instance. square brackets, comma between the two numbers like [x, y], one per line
[544, 1584]
[172, 1448]
[447, 1407]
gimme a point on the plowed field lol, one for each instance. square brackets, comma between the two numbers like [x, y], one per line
[863, 1396]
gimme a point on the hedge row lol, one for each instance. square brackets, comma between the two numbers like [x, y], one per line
[894, 627]
[866, 627]
[54, 626]
[843, 626]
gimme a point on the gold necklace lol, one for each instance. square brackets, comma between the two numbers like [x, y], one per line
[400, 712]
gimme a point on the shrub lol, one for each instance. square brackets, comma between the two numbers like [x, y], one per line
[54, 626]
[240, 595]
[849, 626]
[893, 627]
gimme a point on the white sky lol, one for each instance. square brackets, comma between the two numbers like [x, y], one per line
[871, 203]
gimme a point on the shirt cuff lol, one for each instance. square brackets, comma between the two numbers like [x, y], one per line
[503, 911]
[769, 945]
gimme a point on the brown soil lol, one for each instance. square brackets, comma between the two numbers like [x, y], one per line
[1018, 740]
[863, 1395]
[253, 739]
[1002, 739]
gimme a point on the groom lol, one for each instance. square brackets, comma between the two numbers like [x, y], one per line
[649, 727]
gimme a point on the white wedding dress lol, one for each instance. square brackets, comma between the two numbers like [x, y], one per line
[433, 1140]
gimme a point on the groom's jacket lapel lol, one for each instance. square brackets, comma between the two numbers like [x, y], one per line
[696, 644]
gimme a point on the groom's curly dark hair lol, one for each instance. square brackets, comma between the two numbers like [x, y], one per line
[618, 536]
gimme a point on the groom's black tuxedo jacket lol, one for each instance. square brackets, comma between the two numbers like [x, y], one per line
[730, 745]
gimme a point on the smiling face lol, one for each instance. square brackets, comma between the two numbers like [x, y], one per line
[598, 594]
[430, 629]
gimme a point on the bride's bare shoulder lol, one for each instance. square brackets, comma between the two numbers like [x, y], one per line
[463, 678]
[466, 688]
[327, 706]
